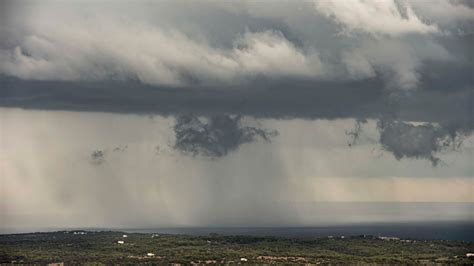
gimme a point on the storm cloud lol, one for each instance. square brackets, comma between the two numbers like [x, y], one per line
[130, 55]
[416, 141]
[215, 136]
[312, 60]
[230, 43]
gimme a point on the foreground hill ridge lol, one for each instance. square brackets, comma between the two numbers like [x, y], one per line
[112, 247]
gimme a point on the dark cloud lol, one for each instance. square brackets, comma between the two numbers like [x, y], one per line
[355, 133]
[421, 141]
[288, 98]
[214, 136]
[263, 98]
[98, 157]
[120, 148]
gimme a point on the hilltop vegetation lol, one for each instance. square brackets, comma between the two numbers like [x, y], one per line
[103, 247]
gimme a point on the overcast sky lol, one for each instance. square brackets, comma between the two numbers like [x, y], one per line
[214, 42]
[195, 113]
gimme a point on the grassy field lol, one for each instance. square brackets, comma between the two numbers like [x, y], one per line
[103, 248]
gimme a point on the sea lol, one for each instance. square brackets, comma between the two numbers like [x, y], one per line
[460, 231]
[446, 230]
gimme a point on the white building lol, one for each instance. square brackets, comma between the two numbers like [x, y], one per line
[121, 242]
[388, 238]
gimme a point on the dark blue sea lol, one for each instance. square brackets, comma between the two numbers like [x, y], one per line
[462, 231]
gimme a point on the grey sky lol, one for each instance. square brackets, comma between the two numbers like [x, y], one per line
[211, 42]
[284, 102]
[142, 180]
